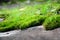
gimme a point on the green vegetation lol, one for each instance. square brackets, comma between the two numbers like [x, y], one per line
[52, 22]
[30, 15]
[21, 18]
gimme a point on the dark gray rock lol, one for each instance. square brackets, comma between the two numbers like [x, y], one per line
[34, 33]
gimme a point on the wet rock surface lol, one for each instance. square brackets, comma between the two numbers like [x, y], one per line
[33, 33]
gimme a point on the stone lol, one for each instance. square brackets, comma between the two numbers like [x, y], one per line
[33, 33]
[1, 19]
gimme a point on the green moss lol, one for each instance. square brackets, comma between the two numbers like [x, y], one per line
[29, 16]
[32, 21]
[52, 22]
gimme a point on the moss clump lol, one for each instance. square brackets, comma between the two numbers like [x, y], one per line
[19, 22]
[32, 21]
[52, 22]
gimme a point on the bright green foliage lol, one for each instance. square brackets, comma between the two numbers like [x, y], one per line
[52, 22]
[31, 21]
[21, 18]
[21, 22]
[28, 16]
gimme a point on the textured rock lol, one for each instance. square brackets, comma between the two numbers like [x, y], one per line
[34, 33]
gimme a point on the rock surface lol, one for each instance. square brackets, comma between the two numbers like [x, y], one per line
[33, 33]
